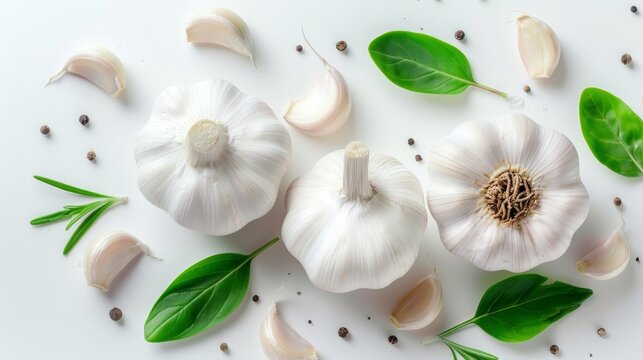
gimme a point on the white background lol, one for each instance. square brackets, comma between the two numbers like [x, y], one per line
[49, 313]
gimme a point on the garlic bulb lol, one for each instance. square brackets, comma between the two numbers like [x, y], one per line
[281, 342]
[420, 306]
[506, 194]
[107, 255]
[353, 221]
[98, 65]
[212, 156]
[609, 258]
[325, 108]
[539, 47]
[219, 26]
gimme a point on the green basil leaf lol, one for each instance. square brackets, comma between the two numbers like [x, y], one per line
[520, 307]
[422, 63]
[613, 131]
[69, 188]
[468, 353]
[201, 297]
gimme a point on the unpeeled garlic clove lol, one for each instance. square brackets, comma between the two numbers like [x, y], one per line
[107, 255]
[539, 47]
[420, 306]
[281, 342]
[325, 108]
[98, 65]
[219, 26]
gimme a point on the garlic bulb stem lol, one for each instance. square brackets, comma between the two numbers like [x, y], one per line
[206, 141]
[356, 183]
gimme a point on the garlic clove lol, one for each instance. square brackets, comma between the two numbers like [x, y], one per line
[539, 47]
[219, 26]
[281, 342]
[98, 65]
[609, 258]
[420, 306]
[107, 255]
[325, 108]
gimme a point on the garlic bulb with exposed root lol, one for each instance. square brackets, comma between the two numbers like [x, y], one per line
[420, 306]
[539, 47]
[212, 156]
[355, 221]
[107, 255]
[325, 108]
[506, 194]
[281, 342]
[98, 65]
[609, 258]
[219, 26]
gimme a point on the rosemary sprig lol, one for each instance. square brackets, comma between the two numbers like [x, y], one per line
[90, 211]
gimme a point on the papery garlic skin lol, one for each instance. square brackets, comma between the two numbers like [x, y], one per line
[609, 258]
[219, 26]
[212, 156]
[279, 341]
[98, 65]
[107, 255]
[538, 46]
[419, 307]
[479, 154]
[325, 108]
[355, 220]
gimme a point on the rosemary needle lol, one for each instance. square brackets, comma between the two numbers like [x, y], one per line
[90, 211]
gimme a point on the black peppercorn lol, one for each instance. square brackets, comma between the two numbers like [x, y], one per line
[459, 35]
[369, 318]
[341, 45]
[44, 130]
[299, 48]
[255, 298]
[526, 89]
[299, 293]
[342, 332]
[601, 332]
[392, 339]
[554, 349]
[223, 347]
[634, 9]
[411, 141]
[418, 157]
[91, 155]
[310, 321]
[83, 119]
[638, 260]
[115, 314]
[626, 59]
[618, 201]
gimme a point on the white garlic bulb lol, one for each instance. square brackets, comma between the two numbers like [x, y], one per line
[325, 108]
[98, 65]
[353, 221]
[279, 341]
[212, 156]
[609, 258]
[219, 26]
[538, 46]
[420, 306]
[506, 194]
[107, 255]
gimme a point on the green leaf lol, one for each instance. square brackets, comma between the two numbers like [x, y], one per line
[85, 225]
[69, 188]
[82, 211]
[201, 297]
[468, 353]
[613, 131]
[422, 63]
[53, 217]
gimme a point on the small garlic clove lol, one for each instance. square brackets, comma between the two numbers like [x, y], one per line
[420, 306]
[539, 47]
[107, 255]
[325, 108]
[219, 26]
[281, 342]
[608, 259]
[98, 65]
